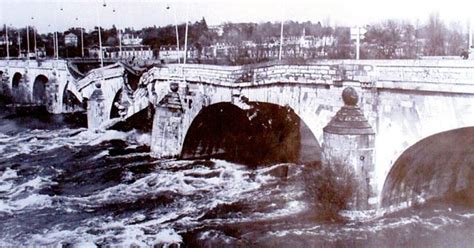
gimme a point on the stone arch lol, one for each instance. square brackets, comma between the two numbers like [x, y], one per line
[16, 79]
[265, 133]
[39, 93]
[306, 101]
[438, 167]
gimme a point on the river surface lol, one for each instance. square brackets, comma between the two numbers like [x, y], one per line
[64, 186]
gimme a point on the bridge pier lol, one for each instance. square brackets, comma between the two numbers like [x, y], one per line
[349, 150]
[5, 88]
[168, 129]
[96, 109]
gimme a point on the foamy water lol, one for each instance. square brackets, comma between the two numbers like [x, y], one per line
[71, 186]
[189, 192]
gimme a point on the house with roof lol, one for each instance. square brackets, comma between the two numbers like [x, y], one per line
[71, 40]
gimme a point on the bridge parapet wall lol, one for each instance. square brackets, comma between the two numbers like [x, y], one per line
[323, 73]
[39, 64]
[423, 75]
[438, 77]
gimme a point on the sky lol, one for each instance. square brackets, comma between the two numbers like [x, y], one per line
[47, 16]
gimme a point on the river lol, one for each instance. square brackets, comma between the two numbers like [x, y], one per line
[64, 186]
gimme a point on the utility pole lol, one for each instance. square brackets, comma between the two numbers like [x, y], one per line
[19, 43]
[82, 37]
[470, 36]
[8, 41]
[281, 33]
[34, 37]
[27, 42]
[186, 37]
[357, 33]
[54, 43]
[281, 40]
[62, 17]
[358, 44]
[55, 35]
[119, 33]
[100, 36]
[177, 36]
[82, 42]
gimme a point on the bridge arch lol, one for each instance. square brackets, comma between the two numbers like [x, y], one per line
[39, 89]
[263, 134]
[16, 79]
[439, 167]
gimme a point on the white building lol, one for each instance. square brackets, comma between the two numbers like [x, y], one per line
[70, 40]
[325, 41]
[94, 51]
[3, 41]
[170, 54]
[306, 41]
[249, 43]
[131, 40]
[219, 29]
[128, 52]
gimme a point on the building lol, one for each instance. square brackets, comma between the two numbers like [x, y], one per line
[70, 40]
[218, 29]
[325, 41]
[94, 51]
[170, 54]
[3, 41]
[249, 43]
[306, 41]
[131, 40]
[128, 52]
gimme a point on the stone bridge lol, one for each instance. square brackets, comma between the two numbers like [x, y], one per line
[363, 114]
[59, 85]
[389, 105]
[49, 83]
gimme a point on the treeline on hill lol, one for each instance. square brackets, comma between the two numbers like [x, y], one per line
[389, 39]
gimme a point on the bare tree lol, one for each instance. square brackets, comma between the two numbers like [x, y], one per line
[409, 36]
[436, 36]
[455, 41]
[385, 38]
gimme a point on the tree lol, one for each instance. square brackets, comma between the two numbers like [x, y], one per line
[409, 36]
[385, 37]
[455, 40]
[342, 50]
[435, 33]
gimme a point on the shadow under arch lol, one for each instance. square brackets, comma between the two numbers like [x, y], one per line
[437, 168]
[114, 111]
[71, 102]
[16, 79]
[39, 89]
[264, 134]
